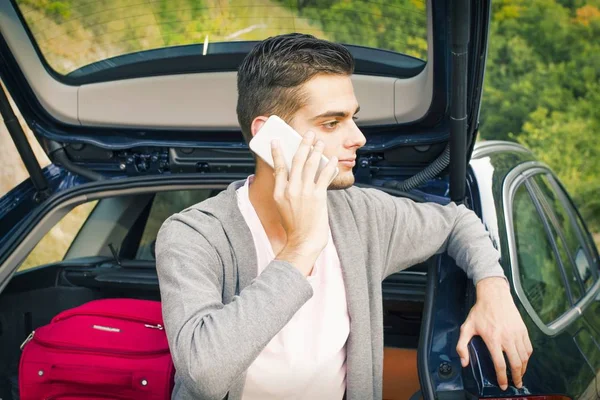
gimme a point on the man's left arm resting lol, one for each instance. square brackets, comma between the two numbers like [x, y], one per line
[425, 229]
[496, 319]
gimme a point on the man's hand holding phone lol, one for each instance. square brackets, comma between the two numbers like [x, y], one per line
[302, 202]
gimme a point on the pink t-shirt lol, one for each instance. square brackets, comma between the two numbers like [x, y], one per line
[307, 358]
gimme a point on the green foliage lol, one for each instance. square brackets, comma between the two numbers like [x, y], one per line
[391, 25]
[542, 89]
[57, 11]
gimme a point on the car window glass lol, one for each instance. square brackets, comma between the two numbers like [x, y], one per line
[591, 238]
[72, 34]
[569, 229]
[54, 245]
[538, 266]
[164, 205]
[581, 262]
[567, 264]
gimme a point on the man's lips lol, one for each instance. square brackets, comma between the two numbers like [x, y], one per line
[348, 162]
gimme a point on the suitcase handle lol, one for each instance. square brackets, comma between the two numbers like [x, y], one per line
[91, 376]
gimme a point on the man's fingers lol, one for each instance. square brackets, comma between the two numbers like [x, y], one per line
[466, 334]
[528, 346]
[312, 164]
[516, 364]
[327, 174]
[499, 364]
[300, 158]
[281, 173]
[528, 350]
[523, 355]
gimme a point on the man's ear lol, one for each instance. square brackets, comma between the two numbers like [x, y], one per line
[257, 123]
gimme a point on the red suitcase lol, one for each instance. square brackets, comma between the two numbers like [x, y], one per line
[104, 349]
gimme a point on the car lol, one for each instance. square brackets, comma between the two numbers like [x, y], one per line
[136, 136]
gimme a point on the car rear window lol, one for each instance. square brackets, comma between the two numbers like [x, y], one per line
[72, 34]
[163, 206]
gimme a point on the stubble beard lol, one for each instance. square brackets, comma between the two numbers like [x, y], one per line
[342, 181]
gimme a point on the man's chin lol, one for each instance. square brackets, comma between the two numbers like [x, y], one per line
[342, 181]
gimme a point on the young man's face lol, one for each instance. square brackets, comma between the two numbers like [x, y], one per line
[329, 112]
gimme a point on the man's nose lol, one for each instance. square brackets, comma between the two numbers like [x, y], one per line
[356, 138]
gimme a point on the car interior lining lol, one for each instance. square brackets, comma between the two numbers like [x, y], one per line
[140, 102]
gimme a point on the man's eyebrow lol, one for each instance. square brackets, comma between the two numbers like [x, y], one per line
[328, 114]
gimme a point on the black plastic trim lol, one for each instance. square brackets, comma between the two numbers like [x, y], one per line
[60, 157]
[23, 147]
[480, 18]
[461, 20]
[222, 57]
[425, 378]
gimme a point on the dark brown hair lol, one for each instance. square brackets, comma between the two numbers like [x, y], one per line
[270, 77]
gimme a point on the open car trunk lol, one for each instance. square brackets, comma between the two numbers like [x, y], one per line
[112, 138]
[89, 271]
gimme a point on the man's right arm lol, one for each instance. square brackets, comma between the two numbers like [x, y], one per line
[212, 344]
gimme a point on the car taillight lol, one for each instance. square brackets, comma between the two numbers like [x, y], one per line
[525, 397]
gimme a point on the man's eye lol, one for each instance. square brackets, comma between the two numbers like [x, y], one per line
[355, 118]
[331, 124]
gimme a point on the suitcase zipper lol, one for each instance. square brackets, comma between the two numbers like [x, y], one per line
[76, 395]
[28, 339]
[100, 351]
[108, 315]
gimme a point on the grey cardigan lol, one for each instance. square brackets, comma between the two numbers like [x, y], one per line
[205, 256]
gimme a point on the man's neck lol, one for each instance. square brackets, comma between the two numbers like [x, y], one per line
[260, 193]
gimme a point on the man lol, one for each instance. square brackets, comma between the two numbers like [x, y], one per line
[272, 289]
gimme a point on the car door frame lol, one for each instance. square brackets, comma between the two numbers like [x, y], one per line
[570, 322]
[521, 175]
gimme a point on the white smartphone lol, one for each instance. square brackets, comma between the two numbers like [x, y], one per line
[289, 139]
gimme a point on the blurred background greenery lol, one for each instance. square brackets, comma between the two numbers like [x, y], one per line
[542, 86]
[542, 89]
